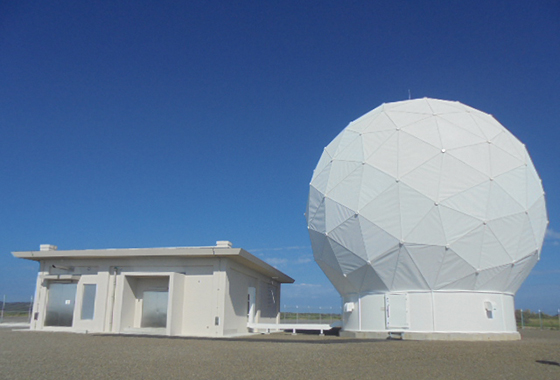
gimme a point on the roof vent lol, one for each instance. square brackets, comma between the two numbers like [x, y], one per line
[223, 244]
[47, 247]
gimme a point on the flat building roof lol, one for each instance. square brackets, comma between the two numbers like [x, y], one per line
[220, 251]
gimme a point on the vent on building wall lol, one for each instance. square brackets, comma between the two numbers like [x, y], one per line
[489, 307]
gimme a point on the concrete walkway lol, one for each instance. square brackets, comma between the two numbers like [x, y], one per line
[268, 327]
[14, 325]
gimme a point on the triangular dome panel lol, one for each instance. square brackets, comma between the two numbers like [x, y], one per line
[477, 156]
[328, 256]
[386, 265]
[455, 272]
[456, 224]
[361, 123]
[341, 284]
[473, 201]
[463, 120]
[336, 214]
[376, 240]
[469, 247]
[384, 211]
[347, 138]
[322, 164]
[488, 125]
[440, 107]
[371, 282]
[333, 145]
[347, 191]
[500, 203]
[457, 177]
[382, 123]
[508, 230]
[519, 272]
[407, 275]
[385, 158]
[509, 144]
[426, 130]
[320, 180]
[339, 170]
[348, 261]
[502, 161]
[465, 283]
[414, 207]
[493, 279]
[493, 252]
[356, 278]
[425, 179]
[453, 136]
[317, 221]
[353, 152]
[374, 140]
[414, 105]
[402, 119]
[526, 242]
[513, 182]
[538, 217]
[374, 182]
[349, 235]
[534, 186]
[313, 202]
[413, 152]
[428, 260]
[428, 231]
[318, 241]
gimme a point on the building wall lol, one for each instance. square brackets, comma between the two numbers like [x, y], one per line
[460, 312]
[207, 296]
[201, 304]
[267, 300]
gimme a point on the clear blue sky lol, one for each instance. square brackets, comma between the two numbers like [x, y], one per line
[174, 123]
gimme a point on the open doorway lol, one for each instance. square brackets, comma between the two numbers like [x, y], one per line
[145, 302]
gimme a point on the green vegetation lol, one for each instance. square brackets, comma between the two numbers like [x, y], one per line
[309, 317]
[531, 319]
[15, 309]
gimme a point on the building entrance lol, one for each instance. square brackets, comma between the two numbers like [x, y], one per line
[60, 304]
[154, 308]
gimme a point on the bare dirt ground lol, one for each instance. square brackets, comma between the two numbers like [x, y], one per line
[44, 355]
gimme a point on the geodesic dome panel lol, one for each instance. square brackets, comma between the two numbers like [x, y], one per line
[426, 194]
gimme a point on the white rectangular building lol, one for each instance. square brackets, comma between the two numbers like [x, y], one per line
[185, 291]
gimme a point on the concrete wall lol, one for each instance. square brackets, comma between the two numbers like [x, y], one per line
[235, 302]
[267, 302]
[176, 301]
[200, 302]
[207, 296]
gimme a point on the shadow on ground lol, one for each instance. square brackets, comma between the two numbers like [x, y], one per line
[302, 337]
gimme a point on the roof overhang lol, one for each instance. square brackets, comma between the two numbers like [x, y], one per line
[236, 254]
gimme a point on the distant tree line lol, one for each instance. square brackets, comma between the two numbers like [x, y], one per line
[15, 308]
[529, 318]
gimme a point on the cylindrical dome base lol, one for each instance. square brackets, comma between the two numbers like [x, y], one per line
[448, 315]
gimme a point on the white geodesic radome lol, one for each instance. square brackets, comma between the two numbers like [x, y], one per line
[426, 195]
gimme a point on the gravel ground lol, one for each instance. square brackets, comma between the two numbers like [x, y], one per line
[44, 355]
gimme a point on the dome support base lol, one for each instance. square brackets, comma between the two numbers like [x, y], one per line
[412, 335]
[430, 315]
